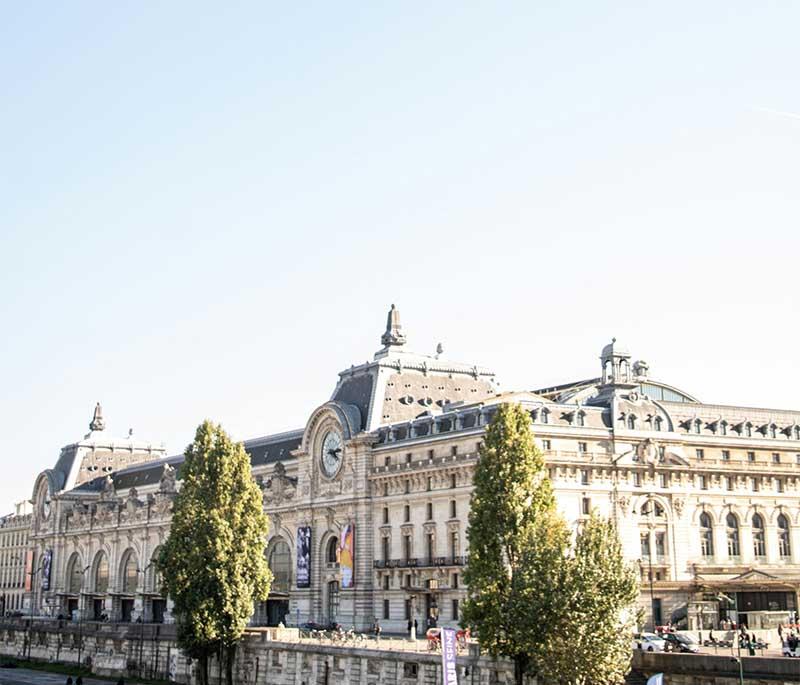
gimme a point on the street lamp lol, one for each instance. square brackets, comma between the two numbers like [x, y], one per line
[732, 600]
[32, 574]
[647, 512]
[141, 616]
[80, 616]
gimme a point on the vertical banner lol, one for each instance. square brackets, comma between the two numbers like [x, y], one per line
[449, 673]
[347, 554]
[304, 556]
[47, 561]
[28, 569]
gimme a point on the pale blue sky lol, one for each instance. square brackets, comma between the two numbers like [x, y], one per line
[205, 211]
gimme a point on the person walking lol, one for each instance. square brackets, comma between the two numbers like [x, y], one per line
[377, 631]
[79, 680]
[69, 680]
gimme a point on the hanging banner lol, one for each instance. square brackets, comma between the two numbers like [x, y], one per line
[47, 560]
[347, 549]
[304, 556]
[28, 569]
[449, 652]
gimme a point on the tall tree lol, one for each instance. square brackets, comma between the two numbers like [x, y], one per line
[593, 642]
[517, 543]
[213, 562]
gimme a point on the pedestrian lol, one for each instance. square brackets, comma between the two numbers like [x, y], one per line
[711, 635]
[780, 632]
[410, 625]
[416, 627]
[377, 631]
[69, 680]
[79, 681]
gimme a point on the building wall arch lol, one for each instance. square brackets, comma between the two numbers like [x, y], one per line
[127, 556]
[704, 508]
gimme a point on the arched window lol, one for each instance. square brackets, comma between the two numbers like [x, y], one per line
[154, 578]
[759, 539]
[74, 575]
[659, 423]
[784, 544]
[732, 524]
[544, 415]
[581, 419]
[706, 536]
[631, 421]
[333, 600]
[129, 569]
[280, 563]
[723, 427]
[773, 430]
[748, 429]
[332, 551]
[101, 573]
[698, 424]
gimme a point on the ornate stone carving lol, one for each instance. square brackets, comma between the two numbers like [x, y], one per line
[647, 451]
[280, 487]
[678, 505]
[167, 483]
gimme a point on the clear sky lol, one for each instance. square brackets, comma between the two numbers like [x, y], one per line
[207, 208]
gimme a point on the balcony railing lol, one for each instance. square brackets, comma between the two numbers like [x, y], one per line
[420, 563]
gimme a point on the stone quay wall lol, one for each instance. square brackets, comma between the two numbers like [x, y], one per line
[711, 669]
[267, 656]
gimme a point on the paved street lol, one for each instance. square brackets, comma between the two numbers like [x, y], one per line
[23, 676]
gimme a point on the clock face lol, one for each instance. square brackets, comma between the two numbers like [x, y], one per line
[44, 506]
[332, 452]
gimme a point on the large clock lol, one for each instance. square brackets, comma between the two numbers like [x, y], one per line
[44, 502]
[331, 454]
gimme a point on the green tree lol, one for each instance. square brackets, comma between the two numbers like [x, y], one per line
[213, 562]
[517, 544]
[592, 644]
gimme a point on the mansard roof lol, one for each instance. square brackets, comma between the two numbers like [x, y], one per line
[264, 450]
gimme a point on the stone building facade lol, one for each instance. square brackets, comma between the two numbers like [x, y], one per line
[14, 531]
[369, 500]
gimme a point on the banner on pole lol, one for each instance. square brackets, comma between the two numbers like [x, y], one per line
[304, 556]
[449, 652]
[347, 552]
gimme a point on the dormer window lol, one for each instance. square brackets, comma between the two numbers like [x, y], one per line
[580, 418]
[658, 423]
[631, 421]
[797, 432]
[773, 430]
[544, 416]
[723, 427]
[748, 430]
[698, 424]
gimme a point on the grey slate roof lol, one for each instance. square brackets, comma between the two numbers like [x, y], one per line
[267, 450]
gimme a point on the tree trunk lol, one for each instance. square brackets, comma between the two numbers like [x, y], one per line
[230, 657]
[203, 669]
[520, 668]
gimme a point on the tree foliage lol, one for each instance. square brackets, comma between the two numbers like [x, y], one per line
[213, 562]
[593, 644]
[557, 612]
[516, 541]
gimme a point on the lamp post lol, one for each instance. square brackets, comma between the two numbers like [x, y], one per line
[32, 574]
[80, 616]
[141, 617]
[732, 600]
[647, 512]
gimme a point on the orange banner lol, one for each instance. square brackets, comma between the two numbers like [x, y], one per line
[28, 569]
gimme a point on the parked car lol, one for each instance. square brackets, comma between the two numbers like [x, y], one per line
[677, 642]
[648, 642]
